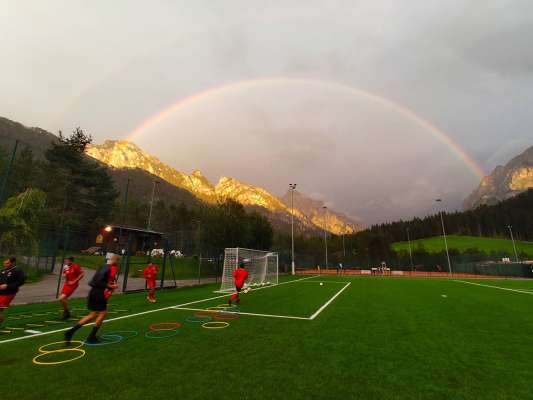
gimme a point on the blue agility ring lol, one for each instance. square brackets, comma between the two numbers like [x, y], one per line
[161, 334]
[117, 339]
[198, 320]
[124, 334]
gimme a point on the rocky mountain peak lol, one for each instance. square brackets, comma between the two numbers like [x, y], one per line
[504, 182]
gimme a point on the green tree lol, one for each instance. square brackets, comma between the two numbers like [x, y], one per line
[80, 192]
[20, 219]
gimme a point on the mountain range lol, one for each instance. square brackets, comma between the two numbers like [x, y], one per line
[126, 161]
[308, 213]
[504, 182]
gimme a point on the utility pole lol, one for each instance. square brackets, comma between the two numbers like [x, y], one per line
[7, 173]
[125, 206]
[445, 240]
[292, 187]
[410, 250]
[514, 245]
[149, 227]
[325, 234]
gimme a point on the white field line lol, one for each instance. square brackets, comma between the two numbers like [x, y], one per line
[329, 301]
[247, 313]
[340, 282]
[494, 287]
[134, 315]
[270, 286]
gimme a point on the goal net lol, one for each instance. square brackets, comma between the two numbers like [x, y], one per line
[262, 267]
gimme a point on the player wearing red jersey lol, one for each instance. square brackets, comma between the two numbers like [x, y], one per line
[150, 275]
[102, 285]
[11, 278]
[73, 274]
[239, 277]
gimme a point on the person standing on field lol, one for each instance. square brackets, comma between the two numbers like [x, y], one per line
[11, 279]
[73, 275]
[239, 277]
[150, 275]
[102, 285]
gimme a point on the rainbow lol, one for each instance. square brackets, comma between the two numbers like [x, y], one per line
[236, 87]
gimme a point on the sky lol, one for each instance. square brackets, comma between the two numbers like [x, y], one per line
[328, 94]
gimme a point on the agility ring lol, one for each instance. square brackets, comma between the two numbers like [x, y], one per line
[165, 326]
[226, 316]
[124, 334]
[43, 348]
[107, 340]
[36, 359]
[205, 313]
[161, 334]
[215, 325]
[198, 320]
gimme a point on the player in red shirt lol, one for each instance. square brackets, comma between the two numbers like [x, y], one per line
[239, 277]
[102, 285]
[150, 275]
[73, 274]
[11, 279]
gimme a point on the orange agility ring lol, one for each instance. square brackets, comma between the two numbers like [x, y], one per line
[165, 326]
[226, 316]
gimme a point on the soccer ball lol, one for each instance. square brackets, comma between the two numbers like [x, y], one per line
[268, 283]
[246, 290]
[263, 284]
[321, 284]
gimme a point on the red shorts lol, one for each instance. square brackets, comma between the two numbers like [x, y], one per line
[5, 300]
[68, 289]
[150, 284]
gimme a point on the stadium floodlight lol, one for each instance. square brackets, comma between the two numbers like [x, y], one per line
[262, 267]
[325, 208]
[292, 187]
[445, 240]
[148, 227]
[510, 227]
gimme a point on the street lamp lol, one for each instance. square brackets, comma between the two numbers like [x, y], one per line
[149, 226]
[325, 234]
[292, 187]
[514, 245]
[410, 250]
[445, 240]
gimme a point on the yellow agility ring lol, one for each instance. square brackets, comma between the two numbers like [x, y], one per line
[43, 349]
[81, 353]
[215, 325]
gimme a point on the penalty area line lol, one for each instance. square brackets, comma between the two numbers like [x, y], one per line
[248, 313]
[493, 287]
[329, 301]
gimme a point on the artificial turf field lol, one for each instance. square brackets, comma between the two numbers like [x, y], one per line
[376, 338]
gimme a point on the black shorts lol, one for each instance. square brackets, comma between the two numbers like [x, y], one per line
[96, 300]
[238, 289]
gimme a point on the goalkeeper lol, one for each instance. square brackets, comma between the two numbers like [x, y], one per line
[239, 277]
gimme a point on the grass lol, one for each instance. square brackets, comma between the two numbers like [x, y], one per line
[382, 338]
[464, 243]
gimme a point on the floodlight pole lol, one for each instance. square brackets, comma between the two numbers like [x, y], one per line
[292, 187]
[445, 239]
[7, 173]
[325, 234]
[149, 226]
[512, 239]
[410, 250]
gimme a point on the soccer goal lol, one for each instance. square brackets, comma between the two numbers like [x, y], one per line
[262, 267]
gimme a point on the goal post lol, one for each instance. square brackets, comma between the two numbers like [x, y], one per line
[262, 267]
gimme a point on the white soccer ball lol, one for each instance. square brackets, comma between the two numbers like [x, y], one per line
[268, 283]
[321, 284]
[263, 284]
[246, 290]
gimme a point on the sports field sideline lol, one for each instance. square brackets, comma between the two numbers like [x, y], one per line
[351, 337]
